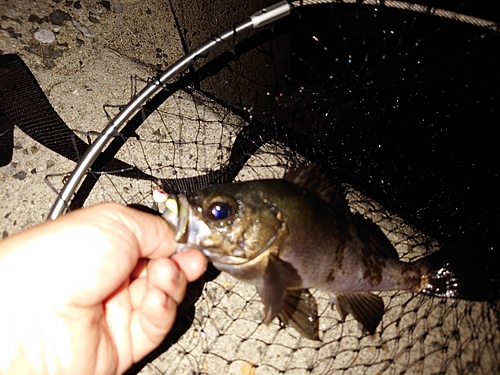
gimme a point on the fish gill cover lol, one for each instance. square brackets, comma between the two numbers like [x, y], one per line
[398, 104]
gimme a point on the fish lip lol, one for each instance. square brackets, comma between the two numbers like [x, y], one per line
[223, 259]
[181, 232]
[178, 220]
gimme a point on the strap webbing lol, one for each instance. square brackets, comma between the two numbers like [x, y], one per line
[24, 104]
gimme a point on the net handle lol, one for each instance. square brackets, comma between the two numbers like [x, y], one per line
[259, 19]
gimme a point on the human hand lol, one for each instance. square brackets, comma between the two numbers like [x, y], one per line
[90, 293]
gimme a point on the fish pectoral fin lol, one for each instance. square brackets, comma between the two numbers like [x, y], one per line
[301, 312]
[277, 277]
[365, 307]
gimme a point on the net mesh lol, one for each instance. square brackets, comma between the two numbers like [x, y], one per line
[400, 106]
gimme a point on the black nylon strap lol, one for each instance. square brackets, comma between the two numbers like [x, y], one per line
[6, 139]
[24, 104]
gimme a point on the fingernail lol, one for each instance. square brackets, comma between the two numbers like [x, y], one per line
[174, 272]
[167, 303]
[206, 266]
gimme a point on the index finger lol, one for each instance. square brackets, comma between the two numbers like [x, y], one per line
[155, 238]
[153, 234]
[131, 235]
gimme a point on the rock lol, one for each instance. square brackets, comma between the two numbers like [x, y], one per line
[35, 18]
[105, 4]
[83, 29]
[45, 36]
[57, 17]
[21, 175]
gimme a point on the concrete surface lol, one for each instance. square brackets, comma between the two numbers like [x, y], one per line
[90, 63]
[86, 73]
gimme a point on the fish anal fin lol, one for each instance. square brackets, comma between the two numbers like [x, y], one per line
[278, 276]
[340, 309]
[365, 307]
[301, 312]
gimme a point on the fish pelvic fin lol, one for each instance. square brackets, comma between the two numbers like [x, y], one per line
[365, 307]
[277, 277]
[301, 312]
[462, 270]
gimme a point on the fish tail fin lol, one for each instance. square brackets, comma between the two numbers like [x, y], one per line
[461, 270]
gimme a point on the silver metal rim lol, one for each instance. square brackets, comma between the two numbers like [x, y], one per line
[259, 19]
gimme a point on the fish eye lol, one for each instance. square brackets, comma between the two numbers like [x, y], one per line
[220, 210]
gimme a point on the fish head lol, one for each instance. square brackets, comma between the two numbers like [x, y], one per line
[230, 223]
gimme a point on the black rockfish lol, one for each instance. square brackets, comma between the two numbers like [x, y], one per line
[286, 236]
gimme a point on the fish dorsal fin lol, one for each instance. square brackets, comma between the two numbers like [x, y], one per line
[277, 277]
[301, 312]
[311, 177]
[373, 235]
[365, 307]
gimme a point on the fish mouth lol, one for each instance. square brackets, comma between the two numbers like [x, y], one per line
[189, 232]
[217, 258]
[177, 215]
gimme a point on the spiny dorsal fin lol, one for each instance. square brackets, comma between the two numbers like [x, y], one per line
[301, 312]
[365, 307]
[310, 177]
[373, 236]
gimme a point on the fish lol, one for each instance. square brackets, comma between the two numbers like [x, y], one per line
[287, 236]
